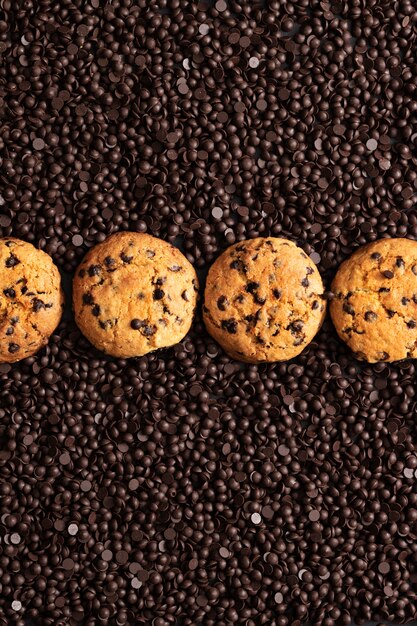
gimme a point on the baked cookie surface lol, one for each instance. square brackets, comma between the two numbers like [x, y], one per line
[263, 300]
[133, 294]
[31, 299]
[375, 305]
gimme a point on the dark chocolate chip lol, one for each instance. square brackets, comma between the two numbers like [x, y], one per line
[158, 294]
[38, 305]
[296, 327]
[12, 261]
[238, 265]
[137, 324]
[222, 303]
[88, 298]
[230, 326]
[94, 270]
[109, 261]
[252, 286]
[148, 330]
[348, 308]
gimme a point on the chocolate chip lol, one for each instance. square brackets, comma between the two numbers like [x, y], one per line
[348, 308]
[388, 274]
[158, 294]
[370, 316]
[94, 270]
[296, 327]
[148, 330]
[38, 305]
[222, 303]
[126, 258]
[13, 348]
[137, 324]
[88, 298]
[230, 326]
[12, 261]
[184, 296]
[252, 286]
[109, 261]
[9, 292]
[95, 310]
[238, 265]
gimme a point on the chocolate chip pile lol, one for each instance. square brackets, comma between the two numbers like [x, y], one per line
[183, 488]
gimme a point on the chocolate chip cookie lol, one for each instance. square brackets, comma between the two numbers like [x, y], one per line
[31, 299]
[133, 294]
[374, 309]
[263, 300]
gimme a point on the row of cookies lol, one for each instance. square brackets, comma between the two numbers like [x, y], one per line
[264, 298]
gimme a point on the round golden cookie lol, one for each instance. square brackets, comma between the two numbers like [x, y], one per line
[31, 299]
[374, 309]
[263, 300]
[133, 294]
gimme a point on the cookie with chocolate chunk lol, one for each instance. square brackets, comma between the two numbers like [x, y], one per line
[31, 299]
[263, 300]
[133, 294]
[374, 309]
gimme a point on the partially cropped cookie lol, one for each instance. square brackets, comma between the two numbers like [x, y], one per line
[375, 305]
[31, 299]
[263, 300]
[133, 294]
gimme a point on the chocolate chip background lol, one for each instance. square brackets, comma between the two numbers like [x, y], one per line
[184, 488]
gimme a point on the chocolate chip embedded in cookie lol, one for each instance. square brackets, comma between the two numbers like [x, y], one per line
[374, 309]
[263, 300]
[31, 299]
[133, 294]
